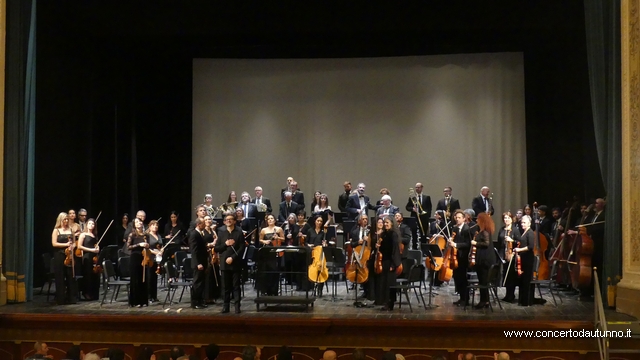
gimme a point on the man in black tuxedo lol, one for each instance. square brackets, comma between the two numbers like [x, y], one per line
[259, 199]
[386, 208]
[424, 204]
[198, 249]
[482, 203]
[448, 203]
[297, 196]
[359, 203]
[462, 242]
[405, 234]
[344, 197]
[545, 223]
[230, 246]
[249, 208]
[288, 206]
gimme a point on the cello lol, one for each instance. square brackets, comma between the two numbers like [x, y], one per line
[439, 261]
[357, 272]
[540, 246]
[318, 271]
[449, 262]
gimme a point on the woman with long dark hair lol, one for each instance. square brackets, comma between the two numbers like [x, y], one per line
[88, 243]
[136, 242]
[485, 255]
[509, 236]
[388, 247]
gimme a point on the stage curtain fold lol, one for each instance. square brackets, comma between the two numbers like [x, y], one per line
[602, 26]
[19, 149]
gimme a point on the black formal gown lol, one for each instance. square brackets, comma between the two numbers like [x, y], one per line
[138, 291]
[510, 275]
[391, 259]
[66, 285]
[268, 269]
[485, 258]
[151, 276]
[525, 297]
[91, 279]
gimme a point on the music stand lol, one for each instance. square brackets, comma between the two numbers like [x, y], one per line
[332, 233]
[340, 217]
[433, 251]
[337, 258]
[109, 252]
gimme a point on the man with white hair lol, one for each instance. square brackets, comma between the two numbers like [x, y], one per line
[259, 199]
[247, 206]
[288, 206]
[387, 209]
[483, 202]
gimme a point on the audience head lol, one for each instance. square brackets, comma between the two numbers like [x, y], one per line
[176, 352]
[329, 355]
[467, 356]
[250, 352]
[115, 354]
[212, 351]
[92, 356]
[358, 354]
[41, 348]
[439, 357]
[284, 354]
[146, 354]
[75, 353]
[501, 356]
[389, 355]
[399, 357]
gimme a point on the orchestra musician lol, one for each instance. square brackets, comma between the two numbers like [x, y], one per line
[316, 198]
[371, 289]
[230, 206]
[389, 248]
[61, 239]
[155, 244]
[302, 223]
[405, 234]
[290, 230]
[259, 199]
[75, 228]
[136, 241]
[323, 209]
[268, 283]
[462, 242]
[315, 237]
[249, 208]
[386, 208]
[359, 203]
[288, 188]
[82, 219]
[448, 204]
[485, 255]
[230, 246]
[344, 197]
[525, 250]
[424, 208]
[212, 277]
[436, 227]
[383, 192]
[482, 203]
[297, 196]
[469, 215]
[120, 230]
[208, 206]
[174, 225]
[87, 242]
[509, 234]
[287, 207]
[518, 220]
[199, 263]
[201, 212]
[141, 215]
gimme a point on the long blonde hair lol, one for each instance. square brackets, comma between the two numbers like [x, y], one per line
[60, 219]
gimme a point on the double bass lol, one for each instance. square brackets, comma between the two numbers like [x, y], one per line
[357, 272]
[540, 246]
[581, 268]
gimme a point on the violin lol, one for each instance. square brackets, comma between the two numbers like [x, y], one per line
[472, 255]
[378, 263]
[68, 261]
[509, 244]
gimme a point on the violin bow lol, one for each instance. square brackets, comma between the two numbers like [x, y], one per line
[104, 233]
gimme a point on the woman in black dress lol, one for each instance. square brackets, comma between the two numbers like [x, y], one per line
[388, 247]
[89, 246]
[213, 281]
[121, 230]
[270, 234]
[370, 288]
[324, 210]
[316, 200]
[509, 235]
[173, 226]
[315, 234]
[155, 244]
[62, 239]
[485, 255]
[137, 240]
[525, 250]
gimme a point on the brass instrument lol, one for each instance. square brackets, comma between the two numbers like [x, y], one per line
[262, 207]
[490, 203]
[417, 205]
[447, 214]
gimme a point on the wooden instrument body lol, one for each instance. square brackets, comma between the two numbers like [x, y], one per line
[377, 267]
[68, 260]
[442, 244]
[318, 272]
[540, 252]
[581, 269]
[358, 272]
[449, 263]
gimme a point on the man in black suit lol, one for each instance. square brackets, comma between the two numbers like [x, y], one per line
[297, 196]
[482, 203]
[545, 223]
[448, 204]
[462, 242]
[405, 234]
[424, 204]
[259, 199]
[359, 203]
[344, 197]
[230, 246]
[288, 206]
[386, 208]
[249, 208]
[198, 249]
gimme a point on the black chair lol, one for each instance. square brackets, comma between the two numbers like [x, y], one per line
[112, 282]
[50, 277]
[550, 284]
[124, 271]
[173, 283]
[187, 270]
[492, 286]
[417, 256]
[179, 260]
[412, 281]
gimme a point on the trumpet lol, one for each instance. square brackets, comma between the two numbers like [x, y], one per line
[414, 200]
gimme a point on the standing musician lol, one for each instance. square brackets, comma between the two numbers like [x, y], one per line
[288, 188]
[230, 206]
[315, 237]
[75, 228]
[485, 255]
[302, 223]
[82, 219]
[201, 212]
[243, 222]
[262, 203]
[291, 230]
[462, 242]
[155, 245]
[525, 250]
[421, 212]
[287, 207]
[172, 227]
[230, 246]
[316, 199]
[140, 215]
[121, 229]
[297, 196]
[212, 277]
[208, 206]
[270, 234]
[88, 243]
[357, 236]
[389, 249]
[371, 289]
[136, 242]
[383, 192]
[483, 202]
[405, 234]
[324, 210]
[359, 203]
[247, 206]
[509, 236]
[518, 220]
[198, 248]
[448, 204]
[62, 239]
[438, 227]
[344, 197]
[469, 216]
[386, 208]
